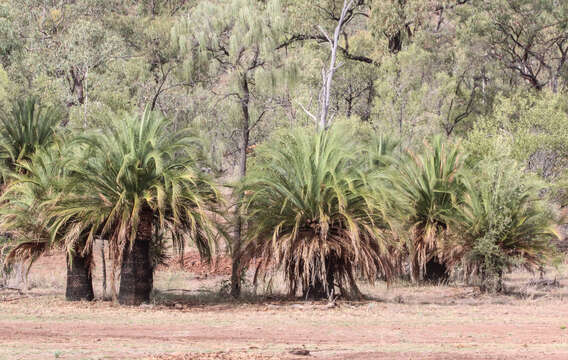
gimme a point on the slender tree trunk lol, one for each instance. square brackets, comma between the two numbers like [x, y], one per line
[414, 269]
[103, 268]
[327, 75]
[370, 97]
[137, 274]
[79, 280]
[77, 86]
[236, 267]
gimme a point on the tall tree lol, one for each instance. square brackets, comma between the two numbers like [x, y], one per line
[529, 38]
[231, 49]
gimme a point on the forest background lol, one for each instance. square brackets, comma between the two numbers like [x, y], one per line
[491, 75]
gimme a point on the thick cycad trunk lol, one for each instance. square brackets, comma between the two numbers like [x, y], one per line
[79, 280]
[435, 271]
[320, 288]
[137, 274]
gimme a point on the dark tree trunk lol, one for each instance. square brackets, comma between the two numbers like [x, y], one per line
[322, 288]
[137, 274]
[314, 291]
[79, 280]
[370, 97]
[435, 271]
[77, 85]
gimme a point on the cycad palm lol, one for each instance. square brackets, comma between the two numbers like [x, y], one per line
[35, 183]
[381, 151]
[137, 179]
[27, 128]
[313, 214]
[38, 182]
[428, 182]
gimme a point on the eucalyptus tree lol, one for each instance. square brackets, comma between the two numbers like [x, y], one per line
[528, 38]
[334, 35]
[323, 118]
[68, 53]
[231, 49]
[138, 180]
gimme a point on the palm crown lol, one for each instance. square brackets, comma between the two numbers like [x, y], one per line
[429, 182]
[136, 176]
[313, 213]
[27, 128]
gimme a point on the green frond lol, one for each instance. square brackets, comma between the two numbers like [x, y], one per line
[137, 165]
[27, 128]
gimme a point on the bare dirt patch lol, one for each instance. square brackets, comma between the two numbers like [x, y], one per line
[48, 327]
[400, 322]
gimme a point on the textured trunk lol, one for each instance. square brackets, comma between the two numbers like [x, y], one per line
[79, 280]
[435, 271]
[103, 266]
[414, 268]
[323, 288]
[19, 280]
[236, 267]
[137, 274]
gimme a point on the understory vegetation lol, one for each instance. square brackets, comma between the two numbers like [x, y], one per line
[328, 141]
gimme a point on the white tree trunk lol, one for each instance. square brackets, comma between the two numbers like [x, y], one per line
[327, 75]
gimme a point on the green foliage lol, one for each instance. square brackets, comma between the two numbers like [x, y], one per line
[26, 129]
[231, 50]
[313, 213]
[36, 181]
[381, 151]
[6, 90]
[131, 167]
[502, 222]
[429, 182]
[492, 74]
[533, 128]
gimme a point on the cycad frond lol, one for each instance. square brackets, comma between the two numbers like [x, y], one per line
[35, 182]
[27, 128]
